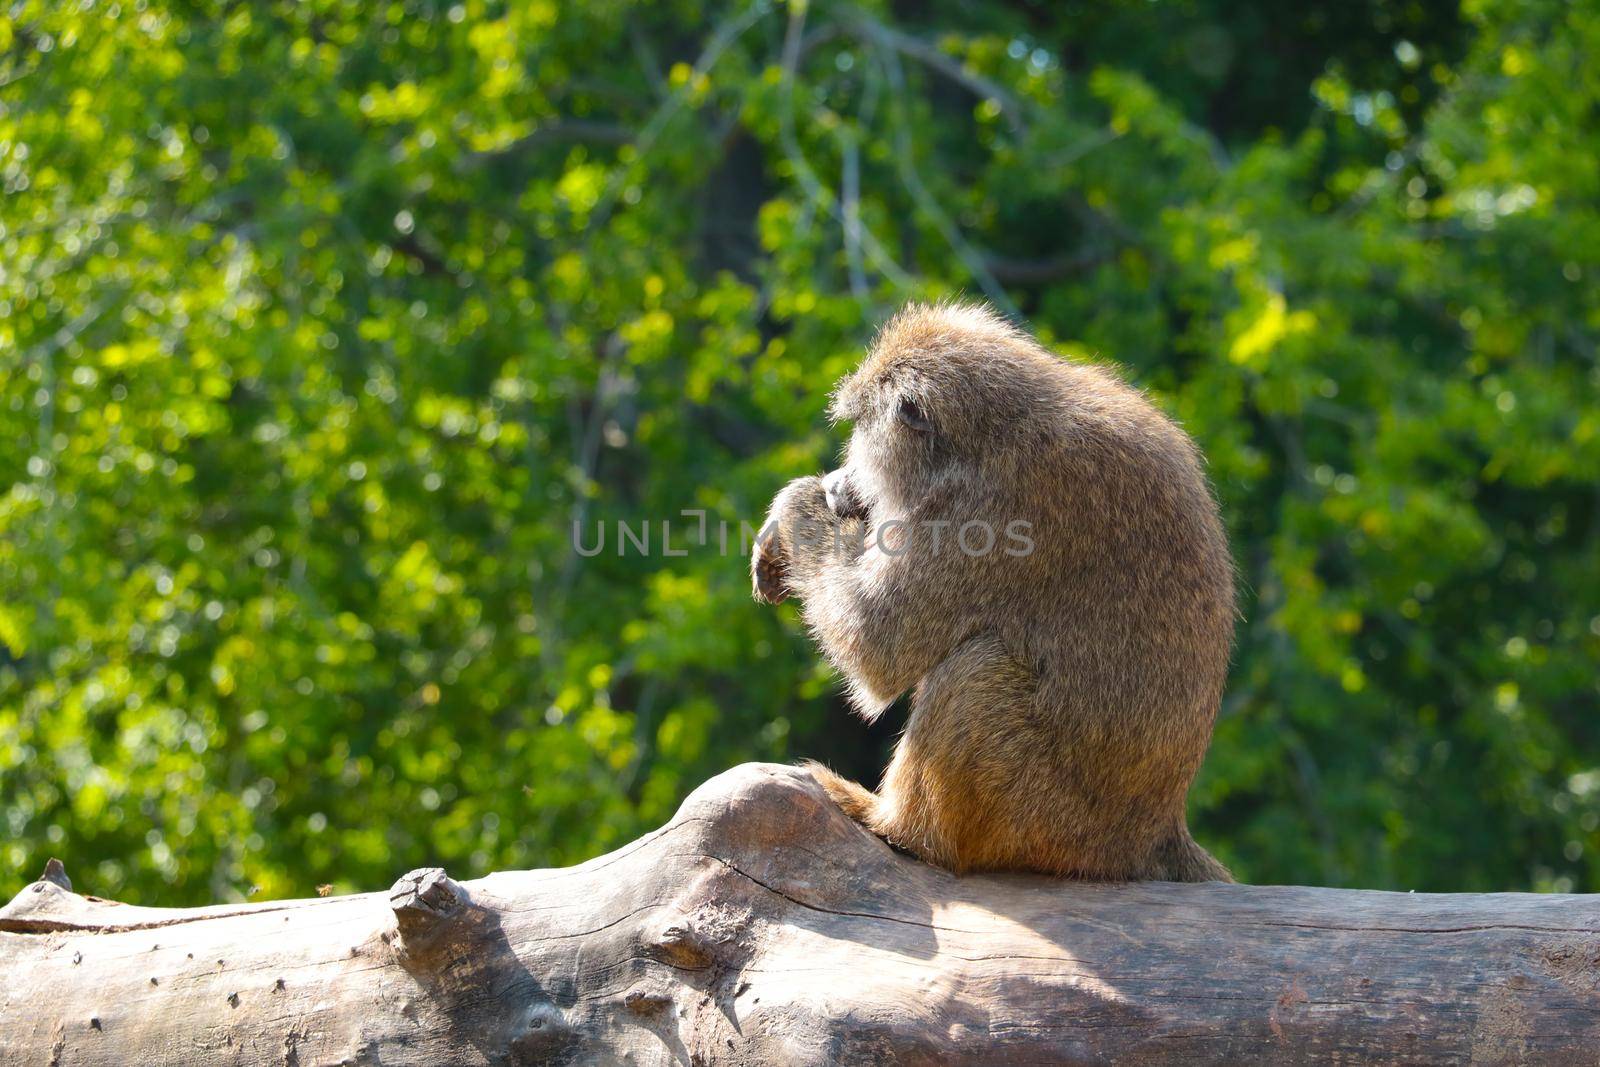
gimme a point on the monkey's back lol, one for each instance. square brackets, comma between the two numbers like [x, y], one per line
[1112, 641]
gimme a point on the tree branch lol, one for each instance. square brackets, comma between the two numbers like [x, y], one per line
[887, 37]
[1041, 271]
[763, 926]
[793, 41]
[911, 178]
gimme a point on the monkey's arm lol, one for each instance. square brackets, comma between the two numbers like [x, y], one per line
[867, 596]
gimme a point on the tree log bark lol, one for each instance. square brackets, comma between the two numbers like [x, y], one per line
[760, 926]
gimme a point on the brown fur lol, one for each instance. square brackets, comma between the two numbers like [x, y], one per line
[1063, 698]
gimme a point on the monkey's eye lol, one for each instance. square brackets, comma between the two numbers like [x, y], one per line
[912, 415]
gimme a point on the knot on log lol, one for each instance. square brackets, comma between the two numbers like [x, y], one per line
[46, 904]
[775, 829]
[646, 1001]
[428, 905]
[55, 872]
[680, 943]
[544, 1034]
[758, 807]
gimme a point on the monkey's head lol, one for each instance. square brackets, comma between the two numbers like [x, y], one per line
[946, 392]
[959, 417]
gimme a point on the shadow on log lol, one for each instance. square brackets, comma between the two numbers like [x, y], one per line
[760, 926]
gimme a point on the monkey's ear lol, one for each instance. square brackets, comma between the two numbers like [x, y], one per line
[911, 413]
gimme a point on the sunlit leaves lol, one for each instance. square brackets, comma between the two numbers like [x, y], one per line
[320, 324]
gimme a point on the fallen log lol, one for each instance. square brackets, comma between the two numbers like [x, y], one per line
[760, 926]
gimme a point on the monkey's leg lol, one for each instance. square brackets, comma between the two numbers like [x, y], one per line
[951, 792]
[857, 801]
[871, 811]
[963, 788]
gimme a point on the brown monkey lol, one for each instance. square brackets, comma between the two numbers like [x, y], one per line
[1032, 547]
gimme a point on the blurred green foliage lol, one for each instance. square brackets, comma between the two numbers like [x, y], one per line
[322, 322]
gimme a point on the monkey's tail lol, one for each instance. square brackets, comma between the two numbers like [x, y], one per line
[1183, 860]
[858, 802]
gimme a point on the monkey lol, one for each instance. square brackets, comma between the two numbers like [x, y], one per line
[1033, 550]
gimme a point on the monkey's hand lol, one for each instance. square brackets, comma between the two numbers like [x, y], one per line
[768, 570]
[801, 529]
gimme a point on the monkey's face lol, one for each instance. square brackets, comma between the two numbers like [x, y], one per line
[895, 458]
[949, 401]
[919, 427]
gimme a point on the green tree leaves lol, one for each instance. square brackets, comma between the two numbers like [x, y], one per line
[321, 324]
